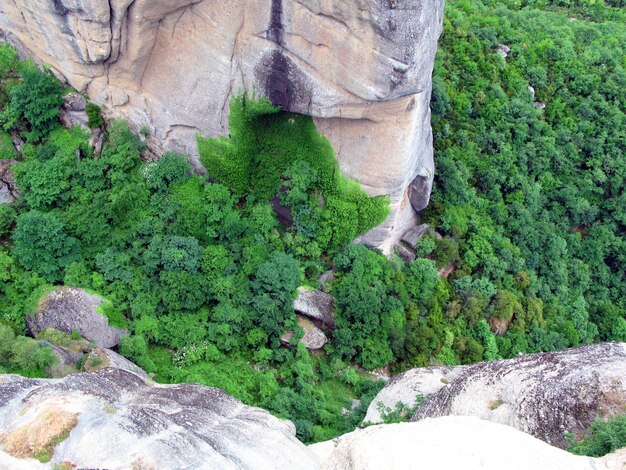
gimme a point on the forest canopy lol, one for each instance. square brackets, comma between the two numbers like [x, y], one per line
[525, 252]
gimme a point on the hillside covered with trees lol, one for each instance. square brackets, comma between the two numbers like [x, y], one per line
[527, 222]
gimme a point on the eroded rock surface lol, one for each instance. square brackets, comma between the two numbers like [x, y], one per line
[545, 395]
[115, 421]
[451, 442]
[71, 309]
[316, 305]
[406, 387]
[362, 69]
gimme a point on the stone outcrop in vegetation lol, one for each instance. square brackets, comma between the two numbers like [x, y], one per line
[71, 309]
[546, 395]
[86, 419]
[363, 69]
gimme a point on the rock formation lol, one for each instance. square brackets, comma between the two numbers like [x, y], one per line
[362, 69]
[545, 394]
[71, 309]
[406, 387]
[112, 419]
[318, 306]
[448, 443]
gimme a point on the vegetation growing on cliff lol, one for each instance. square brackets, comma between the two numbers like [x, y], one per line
[529, 200]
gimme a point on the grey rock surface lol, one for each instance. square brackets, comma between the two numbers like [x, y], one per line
[545, 394]
[74, 102]
[414, 235]
[406, 387]
[314, 338]
[362, 69]
[71, 309]
[124, 423]
[316, 305]
[452, 442]
[102, 358]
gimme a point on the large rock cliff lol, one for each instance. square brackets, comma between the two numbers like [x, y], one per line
[361, 68]
[114, 419]
[545, 394]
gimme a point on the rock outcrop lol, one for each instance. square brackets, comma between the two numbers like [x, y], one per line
[316, 305]
[100, 358]
[452, 442]
[313, 337]
[71, 309]
[362, 69]
[112, 419]
[545, 395]
[406, 387]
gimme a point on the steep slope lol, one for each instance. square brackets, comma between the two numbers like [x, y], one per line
[545, 394]
[363, 69]
[85, 419]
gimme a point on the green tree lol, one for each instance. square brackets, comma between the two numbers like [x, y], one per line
[41, 244]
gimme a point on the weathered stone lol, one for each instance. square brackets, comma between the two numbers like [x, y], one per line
[313, 338]
[71, 309]
[406, 387]
[316, 305]
[74, 118]
[531, 90]
[540, 105]
[503, 50]
[101, 358]
[96, 140]
[124, 423]
[419, 192]
[404, 253]
[362, 69]
[326, 279]
[451, 442]
[75, 102]
[413, 236]
[545, 394]
[8, 188]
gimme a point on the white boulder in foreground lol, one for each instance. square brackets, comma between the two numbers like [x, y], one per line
[451, 442]
[113, 419]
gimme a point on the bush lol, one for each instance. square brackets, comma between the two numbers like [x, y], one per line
[604, 437]
[41, 244]
[94, 116]
[36, 101]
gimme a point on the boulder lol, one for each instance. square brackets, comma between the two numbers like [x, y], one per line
[546, 395]
[74, 118]
[451, 442]
[361, 69]
[113, 419]
[405, 253]
[406, 387]
[74, 102]
[316, 305]
[414, 235]
[71, 309]
[101, 358]
[313, 338]
[419, 192]
[503, 50]
[8, 188]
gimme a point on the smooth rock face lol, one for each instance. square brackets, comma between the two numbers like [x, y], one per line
[101, 358]
[71, 309]
[451, 442]
[545, 395]
[362, 69]
[405, 388]
[313, 338]
[316, 305]
[123, 423]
